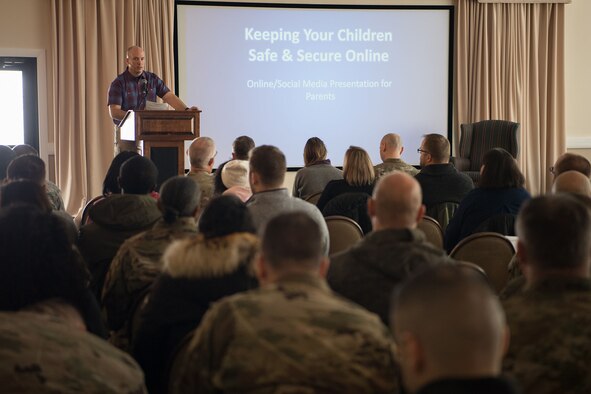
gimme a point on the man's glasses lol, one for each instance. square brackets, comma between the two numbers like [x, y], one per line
[422, 151]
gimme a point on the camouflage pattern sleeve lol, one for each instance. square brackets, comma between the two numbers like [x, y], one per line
[116, 299]
[204, 353]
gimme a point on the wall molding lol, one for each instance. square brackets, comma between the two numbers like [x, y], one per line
[578, 142]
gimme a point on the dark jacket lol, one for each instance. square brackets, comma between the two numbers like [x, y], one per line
[469, 386]
[367, 273]
[443, 183]
[196, 273]
[479, 205]
[114, 219]
[340, 186]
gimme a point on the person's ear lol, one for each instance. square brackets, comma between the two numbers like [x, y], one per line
[261, 269]
[421, 213]
[323, 268]
[506, 341]
[411, 353]
[371, 207]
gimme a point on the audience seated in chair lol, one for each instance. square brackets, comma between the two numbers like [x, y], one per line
[38, 262]
[235, 179]
[291, 335]
[358, 177]
[367, 272]
[46, 309]
[138, 261]
[197, 271]
[118, 217]
[53, 192]
[317, 172]
[451, 333]
[572, 182]
[550, 320]
[391, 149]
[351, 205]
[442, 185]
[269, 199]
[571, 162]
[500, 192]
[201, 154]
[29, 192]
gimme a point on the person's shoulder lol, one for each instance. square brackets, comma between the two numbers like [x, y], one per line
[47, 344]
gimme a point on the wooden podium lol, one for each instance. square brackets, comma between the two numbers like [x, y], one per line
[164, 134]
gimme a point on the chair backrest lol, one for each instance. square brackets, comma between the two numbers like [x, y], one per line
[86, 210]
[313, 199]
[478, 138]
[503, 223]
[442, 212]
[352, 205]
[343, 233]
[432, 230]
[490, 251]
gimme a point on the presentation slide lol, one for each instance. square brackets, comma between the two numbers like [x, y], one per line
[283, 74]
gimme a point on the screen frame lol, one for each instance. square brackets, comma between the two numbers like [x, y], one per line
[451, 23]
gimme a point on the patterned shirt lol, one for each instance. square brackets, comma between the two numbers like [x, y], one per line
[294, 336]
[128, 92]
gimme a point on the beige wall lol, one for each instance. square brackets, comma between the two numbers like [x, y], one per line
[26, 24]
[578, 76]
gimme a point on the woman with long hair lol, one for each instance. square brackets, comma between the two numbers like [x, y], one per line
[318, 171]
[499, 195]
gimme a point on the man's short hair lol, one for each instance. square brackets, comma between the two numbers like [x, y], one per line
[572, 162]
[201, 151]
[556, 231]
[392, 141]
[138, 175]
[437, 146]
[452, 310]
[572, 182]
[292, 240]
[242, 146]
[269, 163]
[27, 167]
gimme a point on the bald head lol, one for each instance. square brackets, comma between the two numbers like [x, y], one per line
[572, 182]
[396, 202]
[572, 162]
[390, 146]
[447, 323]
[201, 153]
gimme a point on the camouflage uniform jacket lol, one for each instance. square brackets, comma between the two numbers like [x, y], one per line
[291, 336]
[390, 165]
[550, 350]
[206, 185]
[55, 196]
[39, 354]
[133, 269]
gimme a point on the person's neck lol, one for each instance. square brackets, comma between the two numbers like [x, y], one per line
[535, 276]
[266, 188]
[199, 169]
[377, 226]
[391, 157]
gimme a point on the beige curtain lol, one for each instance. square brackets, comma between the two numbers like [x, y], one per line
[90, 38]
[510, 65]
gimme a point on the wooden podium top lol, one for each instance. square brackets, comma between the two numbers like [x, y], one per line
[166, 125]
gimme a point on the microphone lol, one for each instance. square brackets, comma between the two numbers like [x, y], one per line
[144, 86]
